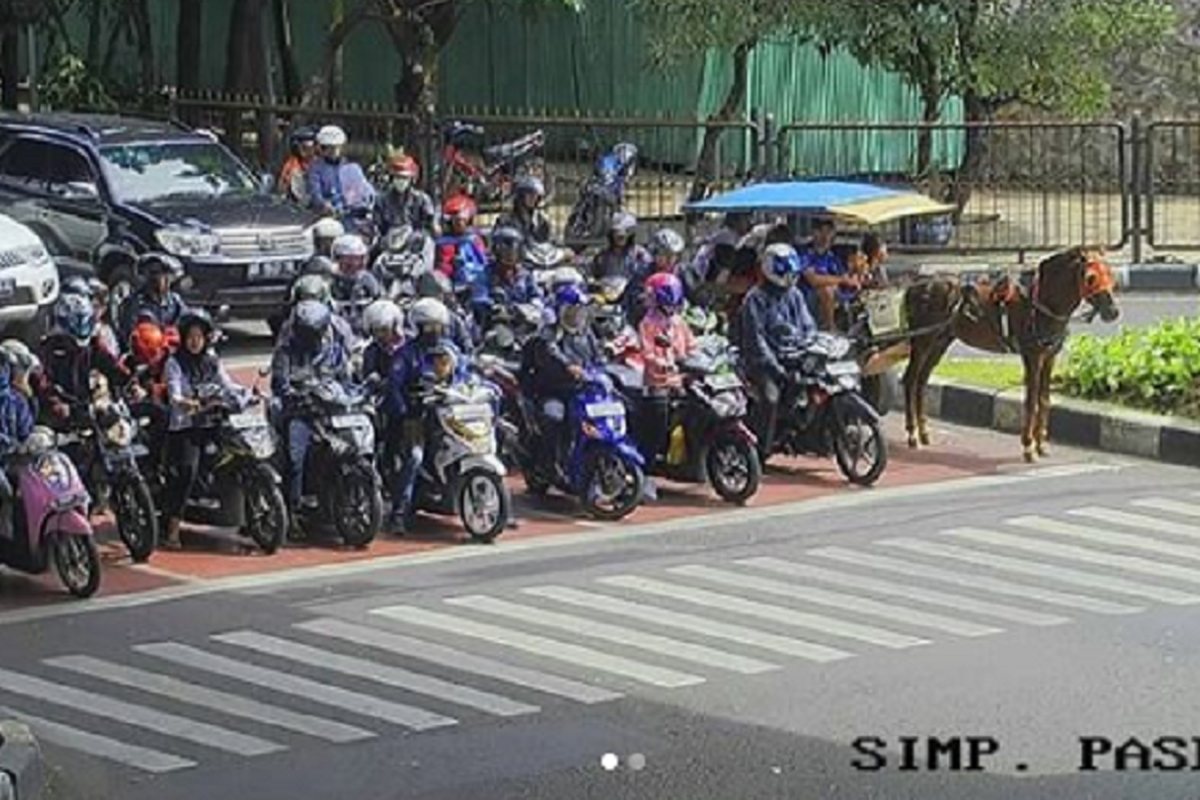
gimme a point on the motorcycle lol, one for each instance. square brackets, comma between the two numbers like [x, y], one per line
[602, 467]
[408, 255]
[602, 194]
[499, 361]
[340, 469]
[49, 518]
[102, 439]
[708, 439]
[488, 177]
[822, 411]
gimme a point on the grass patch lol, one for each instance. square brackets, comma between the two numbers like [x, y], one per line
[989, 373]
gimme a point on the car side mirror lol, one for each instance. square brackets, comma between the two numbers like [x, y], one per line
[85, 191]
[186, 283]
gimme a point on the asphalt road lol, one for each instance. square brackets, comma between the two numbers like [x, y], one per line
[698, 659]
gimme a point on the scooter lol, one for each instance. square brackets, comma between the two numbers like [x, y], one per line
[602, 194]
[49, 522]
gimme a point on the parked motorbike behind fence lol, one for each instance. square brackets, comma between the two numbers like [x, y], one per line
[48, 519]
[487, 176]
[339, 473]
[601, 466]
[708, 440]
[602, 194]
[822, 411]
[101, 437]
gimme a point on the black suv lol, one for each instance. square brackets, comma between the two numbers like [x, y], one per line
[101, 190]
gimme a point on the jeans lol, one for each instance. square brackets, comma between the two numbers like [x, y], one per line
[412, 454]
[765, 413]
[300, 436]
[183, 451]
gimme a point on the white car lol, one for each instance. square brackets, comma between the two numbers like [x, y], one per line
[28, 280]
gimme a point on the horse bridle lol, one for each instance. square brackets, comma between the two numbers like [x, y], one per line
[1097, 279]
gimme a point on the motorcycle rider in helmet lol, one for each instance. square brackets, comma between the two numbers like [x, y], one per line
[194, 364]
[96, 291]
[666, 248]
[431, 321]
[437, 286]
[149, 349]
[623, 257]
[772, 307]
[325, 190]
[527, 214]
[509, 282]
[293, 178]
[313, 347]
[355, 284]
[461, 253]
[666, 340]
[155, 300]
[403, 203]
[16, 416]
[327, 231]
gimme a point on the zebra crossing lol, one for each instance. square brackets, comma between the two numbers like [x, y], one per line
[460, 660]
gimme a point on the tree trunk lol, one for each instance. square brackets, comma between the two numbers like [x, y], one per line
[188, 45]
[95, 29]
[10, 68]
[320, 90]
[246, 60]
[707, 168]
[976, 109]
[282, 17]
[145, 42]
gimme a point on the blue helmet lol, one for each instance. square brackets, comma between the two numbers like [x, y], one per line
[75, 316]
[570, 306]
[781, 265]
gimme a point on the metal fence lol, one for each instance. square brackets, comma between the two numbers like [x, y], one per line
[1169, 177]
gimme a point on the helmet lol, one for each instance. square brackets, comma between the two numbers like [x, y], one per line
[566, 276]
[19, 356]
[444, 362]
[305, 134]
[310, 319]
[328, 228]
[75, 316]
[320, 267]
[781, 265]
[311, 287]
[76, 285]
[459, 206]
[666, 242]
[193, 317]
[507, 240]
[664, 291]
[331, 136]
[570, 306]
[401, 164]
[626, 154]
[434, 285]
[622, 223]
[529, 184]
[154, 264]
[429, 311]
[149, 343]
[349, 245]
[383, 316]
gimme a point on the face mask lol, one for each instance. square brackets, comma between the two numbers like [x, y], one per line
[401, 185]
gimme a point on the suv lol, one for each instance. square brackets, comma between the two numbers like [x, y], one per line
[102, 190]
[28, 281]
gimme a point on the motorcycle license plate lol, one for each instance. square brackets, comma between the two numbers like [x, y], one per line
[270, 270]
[347, 421]
[843, 368]
[725, 380]
[241, 422]
[472, 413]
[605, 410]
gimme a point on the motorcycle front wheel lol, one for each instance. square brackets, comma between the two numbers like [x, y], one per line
[266, 510]
[484, 505]
[860, 450]
[137, 517]
[77, 561]
[359, 514]
[734, 469]
[612, 486]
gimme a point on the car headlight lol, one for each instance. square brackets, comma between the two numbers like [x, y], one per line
[32, 254]
[187, 241]
[8, 789]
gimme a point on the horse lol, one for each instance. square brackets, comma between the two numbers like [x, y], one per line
[1027, 317]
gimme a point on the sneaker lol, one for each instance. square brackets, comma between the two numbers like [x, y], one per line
[650, 491]
[397, 524]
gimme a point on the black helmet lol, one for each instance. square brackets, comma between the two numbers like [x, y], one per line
[434, 284]
[196, 316]
[305, 134]
[154, 264]
[507, 239]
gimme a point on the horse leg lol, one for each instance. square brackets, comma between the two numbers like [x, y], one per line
[1042, 433]
[937, 351]
[1033, 381]
[913, 391]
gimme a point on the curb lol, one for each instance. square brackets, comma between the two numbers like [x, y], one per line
[21, 760]
[1075, 422]
[1154, 277]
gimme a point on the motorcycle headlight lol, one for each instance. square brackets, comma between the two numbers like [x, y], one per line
[259, 442]
[120, 433]
[182, 241]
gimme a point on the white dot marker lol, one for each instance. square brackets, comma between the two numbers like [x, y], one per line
[609, 761]
[637, 762]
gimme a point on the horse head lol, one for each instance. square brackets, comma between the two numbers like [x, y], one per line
[1077, 276]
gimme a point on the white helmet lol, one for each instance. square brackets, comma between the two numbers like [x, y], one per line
[781, 265]
[331, 136]
[328, 228]
[429, 311]
[383, 316]
[564, 276]
[349, 245]
[18, 354]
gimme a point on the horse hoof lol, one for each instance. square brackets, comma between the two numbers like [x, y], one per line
[925, 438]
[914, 443]
[1043, 450]
[1031, 457]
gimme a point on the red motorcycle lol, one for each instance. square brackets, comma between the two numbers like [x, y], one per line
[487, 174]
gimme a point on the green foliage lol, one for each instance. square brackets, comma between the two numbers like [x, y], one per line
[677, 30]
[1155, 368]
[71, 86]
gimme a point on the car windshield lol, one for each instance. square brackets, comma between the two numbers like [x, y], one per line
[144, 172]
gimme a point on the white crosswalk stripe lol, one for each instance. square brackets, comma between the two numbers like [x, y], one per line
[931, 596]
[909, 616]
[541, 646]
[99, 705]
[615, 634]
[1177, 507]
[131, 755]
[1137, 521]
[1104, 536]
[1020, 566]
[786, 616]
[691, 623]
[461, 660]
[380, 673]
[195, 694]
[286, 683]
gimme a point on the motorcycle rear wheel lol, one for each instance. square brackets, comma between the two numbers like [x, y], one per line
[267, 519]
[137, 518]
[77, 561]
[601, 473]
[484, 505]
[359, 515]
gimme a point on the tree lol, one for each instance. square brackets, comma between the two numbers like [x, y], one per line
[189, 39]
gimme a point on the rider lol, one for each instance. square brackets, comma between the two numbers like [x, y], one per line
[312, 345]
[666, 340]
[461, 253]
[666, 248]
[735, 227]
[403, 203]
[16, 419]
[193, 365]
[293, 178]
[436, 286]
[827, 282]
[431, 320]
[155, 301]
[327, 231]
[325, 190]
[511, 283]
[26, 366]
[354, 281]
[527, 214]
[623, 257]
[150, 347]
[96, 292]
[69, 354]
[774, 307]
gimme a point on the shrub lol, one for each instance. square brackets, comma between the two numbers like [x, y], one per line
[1156, 368]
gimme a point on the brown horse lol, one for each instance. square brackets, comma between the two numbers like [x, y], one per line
[1029, 319]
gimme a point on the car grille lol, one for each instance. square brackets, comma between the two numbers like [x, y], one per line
[11, 258]
[257, 243]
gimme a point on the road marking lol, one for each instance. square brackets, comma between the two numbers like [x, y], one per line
[910, 616]
[1138, 521]
[1161, 594]
[232, 704]
[92, 744]
[616, 634]
[380, 673]
[737, 605]
[931, 596]
[542, 646]
[1074, 553]
[286, 683]
[1170, 506]
[139, 716]
[458, 659]
[1105, 537]
[691, 623]
[981, 582]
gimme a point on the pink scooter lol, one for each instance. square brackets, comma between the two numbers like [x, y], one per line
[50, 519]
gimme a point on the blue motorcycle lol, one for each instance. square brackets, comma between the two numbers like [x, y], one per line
[599, 463]
[603, 193]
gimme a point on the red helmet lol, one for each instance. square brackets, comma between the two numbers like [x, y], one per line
[149, 343]
[459, 206]
[403, 165]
